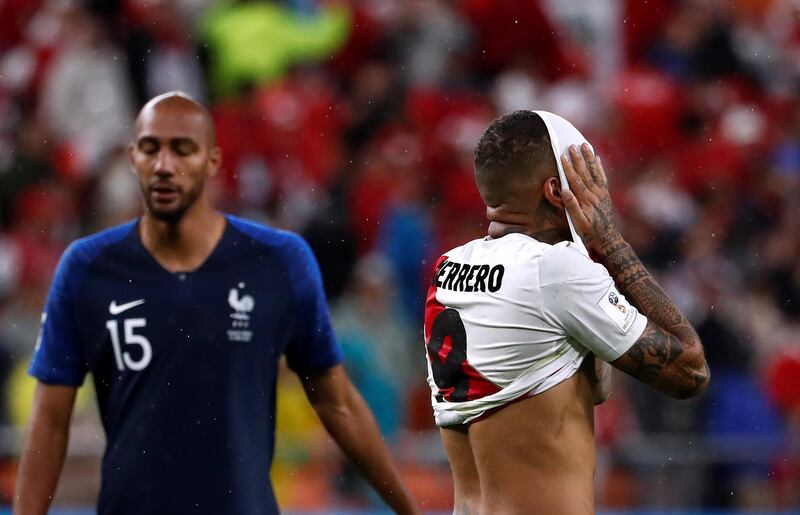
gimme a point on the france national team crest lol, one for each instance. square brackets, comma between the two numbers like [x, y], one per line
[242, 306]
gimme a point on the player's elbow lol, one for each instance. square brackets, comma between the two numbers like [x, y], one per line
[693, 374]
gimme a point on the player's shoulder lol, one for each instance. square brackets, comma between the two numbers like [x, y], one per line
[84, 251]
[286, 243]
[565, 262]
[265, 234]
[77, 260]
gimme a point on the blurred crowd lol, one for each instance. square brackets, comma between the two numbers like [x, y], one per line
[353, 122]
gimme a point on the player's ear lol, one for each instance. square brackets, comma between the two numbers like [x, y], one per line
[551, 190]
[131, 150]
[214, 161]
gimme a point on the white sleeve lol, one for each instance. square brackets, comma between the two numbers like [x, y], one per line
[579, 296]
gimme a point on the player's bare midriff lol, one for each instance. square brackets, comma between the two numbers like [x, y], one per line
[536, 455]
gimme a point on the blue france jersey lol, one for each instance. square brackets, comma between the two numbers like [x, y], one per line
[185, 364]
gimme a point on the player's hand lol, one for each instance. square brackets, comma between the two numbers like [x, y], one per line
[587, 201]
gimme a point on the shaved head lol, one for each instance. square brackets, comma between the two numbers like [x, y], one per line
[173, 154]
[180, 105]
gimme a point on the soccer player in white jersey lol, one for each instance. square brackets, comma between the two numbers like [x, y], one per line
[515, 322]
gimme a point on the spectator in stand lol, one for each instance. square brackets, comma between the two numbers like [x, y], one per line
[160, 53]
[252, 42]
[380, 347]
[86, 97]
[27, 165]
[377, 340]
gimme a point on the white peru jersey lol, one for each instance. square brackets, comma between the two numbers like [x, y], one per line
[513, 316]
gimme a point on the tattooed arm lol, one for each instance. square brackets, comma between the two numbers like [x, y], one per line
[668, 356]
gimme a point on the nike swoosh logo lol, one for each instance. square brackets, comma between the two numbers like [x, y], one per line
[115, 309]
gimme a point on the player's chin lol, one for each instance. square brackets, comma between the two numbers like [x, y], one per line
[167, 213]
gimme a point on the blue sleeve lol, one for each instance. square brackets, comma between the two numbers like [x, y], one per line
[313, 346]
[57, 358]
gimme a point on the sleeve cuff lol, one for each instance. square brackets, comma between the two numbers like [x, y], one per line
[632, 337]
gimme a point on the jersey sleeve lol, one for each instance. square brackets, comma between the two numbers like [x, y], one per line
[313, 345]
[58, 358]
[580, 297]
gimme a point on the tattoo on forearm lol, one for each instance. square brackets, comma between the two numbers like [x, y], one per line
[656, 350]
[668, 333]
[698, 380]
[668, 355]
[654, 301]
[604, 228]
[636, 283]
[653, 354]
[605, 225]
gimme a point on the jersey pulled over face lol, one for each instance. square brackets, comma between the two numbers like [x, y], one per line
[513, 316]
[185, 364]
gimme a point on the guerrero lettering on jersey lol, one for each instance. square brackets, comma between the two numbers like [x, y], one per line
[513, 316]
[469, 278]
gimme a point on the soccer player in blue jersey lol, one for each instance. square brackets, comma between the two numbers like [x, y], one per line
[182, 317]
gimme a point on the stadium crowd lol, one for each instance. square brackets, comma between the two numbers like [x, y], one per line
[353, 122]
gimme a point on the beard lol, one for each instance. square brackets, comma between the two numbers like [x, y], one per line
[173, 214]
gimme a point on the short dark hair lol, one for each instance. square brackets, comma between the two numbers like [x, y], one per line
[513, 146]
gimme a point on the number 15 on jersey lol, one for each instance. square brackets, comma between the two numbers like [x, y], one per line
[122, 355]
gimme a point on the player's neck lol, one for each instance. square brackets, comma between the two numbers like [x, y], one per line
[184, 245]
[542, 225]
[551, 235]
